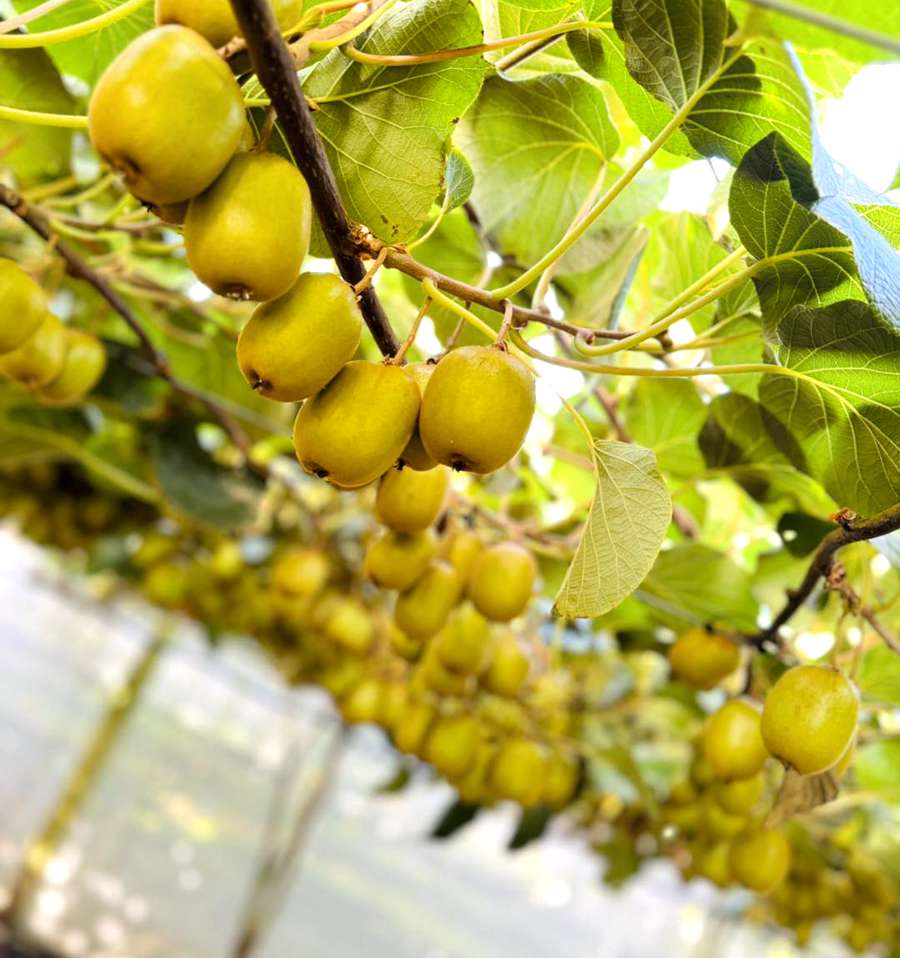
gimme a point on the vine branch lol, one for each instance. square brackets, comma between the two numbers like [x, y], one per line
[276, 71]
[851, 528]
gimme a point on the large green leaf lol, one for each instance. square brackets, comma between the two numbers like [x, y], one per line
[538, 148]
[387, 129]
[814, 263]
[877, 766]
[878, 677]
[737, 440]
[667, 417]
[88, 56]
[30, 81]
[195, 485]
[675, 50]
[697, 584]
[843, 414]
[626, 526]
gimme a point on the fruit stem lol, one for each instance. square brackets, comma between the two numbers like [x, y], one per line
[400, 358]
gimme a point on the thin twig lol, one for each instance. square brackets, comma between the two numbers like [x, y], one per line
[837, 582]
[276, 71]
[851, 528]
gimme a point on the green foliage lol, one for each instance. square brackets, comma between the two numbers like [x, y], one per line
[29, 81]
[87, 57]
[387, 130]
[623, 532]
[196, 485]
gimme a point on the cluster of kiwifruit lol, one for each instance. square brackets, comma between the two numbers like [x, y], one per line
[58, 364]
[247, 217]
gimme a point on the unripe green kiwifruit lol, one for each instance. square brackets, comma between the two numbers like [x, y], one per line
[23, 306]
[215, 20]
[410, 501]
[39, 360]
[396, 561]
[741, 795]
[167, 114]
[421, 611]
[760, 859]
[301, 572]
[452, 743]
[233, 242]
[363, 703]
[560, 780]
[501, 581]
[353, 430]
[702, 659]
[517, 774]
[732, 742]
[464, 643]
[411, 725]
[508, 667]
[415, 455]
[713, 863]
[83, 365]
[809, 718]
[476, 409]
[461, 550]
[295, 345]
[348, 623]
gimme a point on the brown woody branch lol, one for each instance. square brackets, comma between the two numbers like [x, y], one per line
[78, 268]
[851, 528]
[276, 70]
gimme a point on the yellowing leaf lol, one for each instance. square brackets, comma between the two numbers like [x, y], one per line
[626, 526]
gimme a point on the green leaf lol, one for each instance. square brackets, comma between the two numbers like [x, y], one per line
[815, 262]
[458, 180]
[695, 583]
[533, 823]
[194, 484]
[878, 677]
[667, 417]
[538, 148]
[843, 415]
[877, 766]
[596, 297]
[681, 249]
[673, 47]
[29, 81]
[624, 531]
[675, 50]
[738, 441]
[387, 129]
[87, 57]
[456, 816]
[586, 47]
